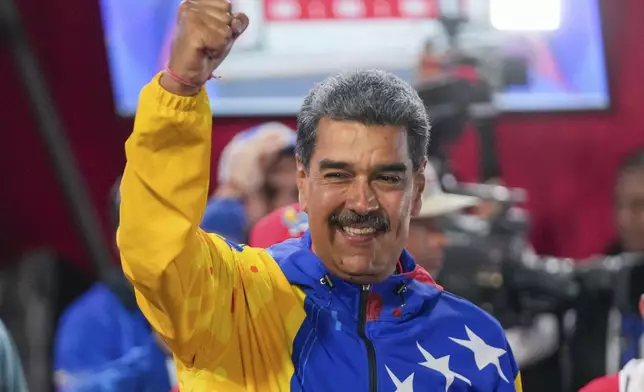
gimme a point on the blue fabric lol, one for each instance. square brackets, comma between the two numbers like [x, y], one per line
[632, 330]
[100, 346]
[420, 333]
[226, 217]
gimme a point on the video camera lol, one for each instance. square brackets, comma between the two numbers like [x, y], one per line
[491, 263]
[463, 91]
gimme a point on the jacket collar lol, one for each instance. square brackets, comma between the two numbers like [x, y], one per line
[399, 297]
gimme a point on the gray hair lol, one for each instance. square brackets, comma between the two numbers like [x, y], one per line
[370, 97]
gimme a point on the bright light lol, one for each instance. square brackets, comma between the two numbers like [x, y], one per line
[525, 15]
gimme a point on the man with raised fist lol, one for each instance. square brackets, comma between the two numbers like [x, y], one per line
[345, 307]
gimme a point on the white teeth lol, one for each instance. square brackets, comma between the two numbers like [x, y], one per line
[357, 231]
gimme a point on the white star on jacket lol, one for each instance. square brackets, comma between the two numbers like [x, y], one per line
[441, 365]
[404, 386]
[484, 354]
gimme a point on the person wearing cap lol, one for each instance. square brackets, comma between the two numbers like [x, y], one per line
[427, 240]
[255, 175]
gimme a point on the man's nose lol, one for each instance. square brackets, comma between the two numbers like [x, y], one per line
[361, 197]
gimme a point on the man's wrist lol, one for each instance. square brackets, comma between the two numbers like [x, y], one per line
[174, 87]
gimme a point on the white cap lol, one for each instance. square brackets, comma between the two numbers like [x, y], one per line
[436, 202]
[275, 133]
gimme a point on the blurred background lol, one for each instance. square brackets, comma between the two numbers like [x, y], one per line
[536, 109]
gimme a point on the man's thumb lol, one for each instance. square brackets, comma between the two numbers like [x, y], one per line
[239, 23]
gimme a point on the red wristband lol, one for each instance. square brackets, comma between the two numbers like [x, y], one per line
[181, 80]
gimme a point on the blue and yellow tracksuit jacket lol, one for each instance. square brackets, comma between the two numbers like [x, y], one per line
[248, 319]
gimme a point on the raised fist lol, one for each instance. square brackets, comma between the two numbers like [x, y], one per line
[206, 31]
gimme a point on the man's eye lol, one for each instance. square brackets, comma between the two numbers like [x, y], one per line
[336, 176]
[390, 179]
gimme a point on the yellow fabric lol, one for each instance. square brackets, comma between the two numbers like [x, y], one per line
[518, 385]
[216, 307]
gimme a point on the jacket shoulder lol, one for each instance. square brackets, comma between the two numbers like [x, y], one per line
[283, 251]
[297, 262]
[458, 310]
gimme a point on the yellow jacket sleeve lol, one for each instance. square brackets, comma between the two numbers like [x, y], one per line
[183, 278]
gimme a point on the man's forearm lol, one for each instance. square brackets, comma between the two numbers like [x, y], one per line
[165, 184]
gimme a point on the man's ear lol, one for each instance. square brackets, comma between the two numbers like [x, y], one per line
[302, 185]
[419, 189]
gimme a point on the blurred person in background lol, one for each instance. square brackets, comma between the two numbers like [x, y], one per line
[629, 219]
[607, 337]
[283, 223]
[12, 379]
[629, 205]
[280, 187]
[256, 174]
[104, 344]
[431, 63]
[427, 240]
[629, 379]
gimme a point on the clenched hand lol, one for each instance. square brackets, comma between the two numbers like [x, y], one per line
[205, 34]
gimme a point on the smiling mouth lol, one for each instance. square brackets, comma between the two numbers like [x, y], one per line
[364, 231]
[359, 236]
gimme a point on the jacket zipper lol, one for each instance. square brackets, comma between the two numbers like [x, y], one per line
[362, 332]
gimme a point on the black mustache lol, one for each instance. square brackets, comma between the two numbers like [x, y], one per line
[352, 218]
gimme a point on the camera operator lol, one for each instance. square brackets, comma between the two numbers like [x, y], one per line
[629, 218]
[427, 239]
[609, 337]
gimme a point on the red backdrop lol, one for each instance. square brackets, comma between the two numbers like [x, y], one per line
[565, 161]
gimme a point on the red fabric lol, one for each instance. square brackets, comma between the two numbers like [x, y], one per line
[421, 275]
[604, 384]
[565, 161]
[275, 227]
[374, 306]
